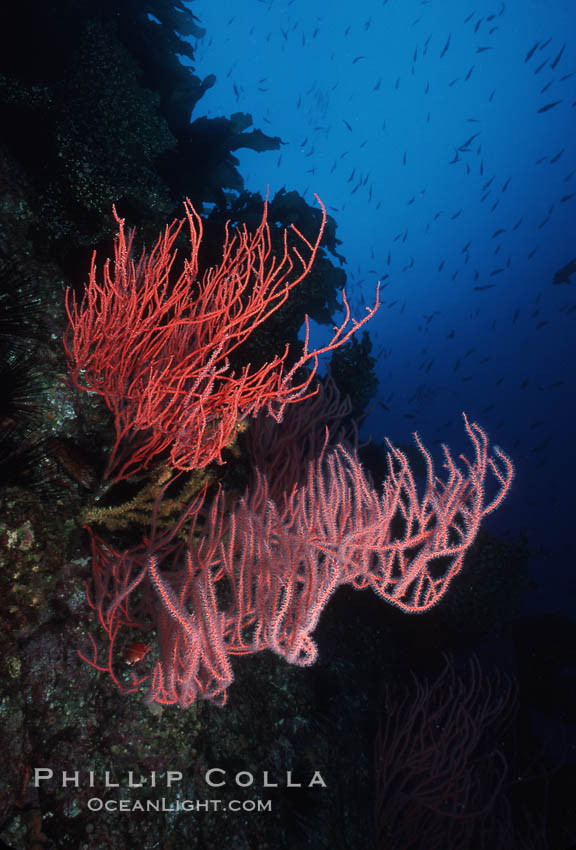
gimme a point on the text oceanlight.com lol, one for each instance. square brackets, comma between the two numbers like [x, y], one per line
[97, 804]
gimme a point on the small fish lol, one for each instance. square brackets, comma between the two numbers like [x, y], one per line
[540, 448]
[531, 52]
[486, 286]
[446, 46]
[549, 106]
[135, 652]
[555, 62]
[469, 141]
[564, 274]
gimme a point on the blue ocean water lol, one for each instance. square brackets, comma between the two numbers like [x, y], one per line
[442, 138]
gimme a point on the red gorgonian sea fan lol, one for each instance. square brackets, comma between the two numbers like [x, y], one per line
[157, 348]
[258, 577]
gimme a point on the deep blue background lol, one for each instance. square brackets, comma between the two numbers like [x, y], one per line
[378, 123]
